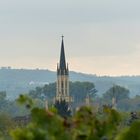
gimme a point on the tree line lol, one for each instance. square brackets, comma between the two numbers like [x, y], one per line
[84, 124]
[80, 90]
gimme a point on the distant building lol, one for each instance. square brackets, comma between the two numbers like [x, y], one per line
[62, 85]
[87, 100]
[114, 103]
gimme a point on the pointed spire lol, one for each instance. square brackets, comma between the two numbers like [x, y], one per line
[62, 56]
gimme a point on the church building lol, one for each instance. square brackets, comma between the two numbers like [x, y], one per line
[62, 84]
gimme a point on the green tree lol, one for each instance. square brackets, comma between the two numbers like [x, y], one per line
[117, 92]
[131, 133]
[45, 125]
[43, 93]
[78, 90]
[84, 125]
[3, 101]
[2, 95]
[6, 124]
[131, 104]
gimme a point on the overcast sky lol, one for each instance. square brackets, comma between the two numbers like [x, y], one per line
[101, 36]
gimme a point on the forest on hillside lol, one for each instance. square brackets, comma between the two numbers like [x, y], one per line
[79, 91]
[18, 81]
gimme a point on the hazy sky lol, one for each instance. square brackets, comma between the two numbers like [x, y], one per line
[101, 36]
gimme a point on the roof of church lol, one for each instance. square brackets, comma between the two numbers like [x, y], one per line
[62, 57]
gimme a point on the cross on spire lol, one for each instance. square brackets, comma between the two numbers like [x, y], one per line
[62, 36]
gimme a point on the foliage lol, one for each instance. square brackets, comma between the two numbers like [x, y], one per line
[132, 104]
[131, 133]
[6, 123]
[84, 125]
[2, 95]
[23, 99]
[44, 126]
[3, 100]
[46, 92]
[117, 92]
[78, 90]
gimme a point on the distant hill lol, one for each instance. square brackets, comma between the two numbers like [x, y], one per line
[17, 81]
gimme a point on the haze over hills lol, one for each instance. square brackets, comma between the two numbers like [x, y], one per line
[17, 81]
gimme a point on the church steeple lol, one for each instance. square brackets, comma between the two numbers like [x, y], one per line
[62, 68]
[62, 56]
[62, 86]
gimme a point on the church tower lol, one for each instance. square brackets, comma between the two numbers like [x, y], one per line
[62, 85]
